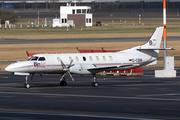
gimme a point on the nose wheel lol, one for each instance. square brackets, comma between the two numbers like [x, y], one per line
[95, 84]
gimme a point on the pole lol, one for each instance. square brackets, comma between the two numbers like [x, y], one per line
[139, 18]
[38, 17]
[164, 34]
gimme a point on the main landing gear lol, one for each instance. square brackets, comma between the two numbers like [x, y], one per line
[63, 82]
[95, 83]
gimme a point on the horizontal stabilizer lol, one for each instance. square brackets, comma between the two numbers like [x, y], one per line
[155, 49]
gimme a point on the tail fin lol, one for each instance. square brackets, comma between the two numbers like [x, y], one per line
[155, 40]
[152, 47]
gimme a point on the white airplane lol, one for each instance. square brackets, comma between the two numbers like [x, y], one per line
[89, 63]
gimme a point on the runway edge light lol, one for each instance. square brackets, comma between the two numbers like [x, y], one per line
[168, 70]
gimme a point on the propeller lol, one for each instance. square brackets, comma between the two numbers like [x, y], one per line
[66, 69]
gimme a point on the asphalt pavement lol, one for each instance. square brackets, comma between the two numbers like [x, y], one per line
[77, 40]
[117, 97]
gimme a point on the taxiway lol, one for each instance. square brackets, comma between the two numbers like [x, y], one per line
[77, 40]
[117, 97]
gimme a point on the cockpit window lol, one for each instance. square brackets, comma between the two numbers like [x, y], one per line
[34, 58]
[41, 59]
[30, 58]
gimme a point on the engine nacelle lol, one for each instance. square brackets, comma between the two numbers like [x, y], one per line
[81, 68]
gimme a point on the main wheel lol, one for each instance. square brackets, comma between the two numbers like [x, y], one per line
[63, 83]
[95, 84]
[26, 85]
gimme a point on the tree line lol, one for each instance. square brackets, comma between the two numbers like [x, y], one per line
[7, 14]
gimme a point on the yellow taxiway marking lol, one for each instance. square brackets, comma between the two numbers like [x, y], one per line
[3, 77]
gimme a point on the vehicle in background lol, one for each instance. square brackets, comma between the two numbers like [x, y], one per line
[98, 23]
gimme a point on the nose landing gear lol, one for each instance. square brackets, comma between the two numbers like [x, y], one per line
[27, 85]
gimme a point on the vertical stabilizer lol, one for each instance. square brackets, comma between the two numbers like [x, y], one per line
[155, 40]
[150, 48]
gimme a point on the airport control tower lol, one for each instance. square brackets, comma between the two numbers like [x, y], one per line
[75, 16]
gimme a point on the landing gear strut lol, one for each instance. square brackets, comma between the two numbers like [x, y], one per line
[27, 85]
[95, 83]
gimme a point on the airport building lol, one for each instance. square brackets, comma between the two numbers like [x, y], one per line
[73, 16]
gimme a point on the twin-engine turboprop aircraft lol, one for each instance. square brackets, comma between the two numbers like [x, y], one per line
[89, 63]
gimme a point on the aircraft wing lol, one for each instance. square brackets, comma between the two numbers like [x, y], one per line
[109, 68]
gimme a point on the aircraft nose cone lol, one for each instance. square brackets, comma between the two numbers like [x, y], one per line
[7, 69]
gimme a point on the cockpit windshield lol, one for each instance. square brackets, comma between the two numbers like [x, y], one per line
[35, 58]
[30, 58]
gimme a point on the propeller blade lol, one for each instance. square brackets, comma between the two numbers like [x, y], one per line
[62, 76]
[66, 69]
[70, 76]
[70, 64]
[63, 66]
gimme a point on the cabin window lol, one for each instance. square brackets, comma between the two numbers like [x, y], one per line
[78, 10]
[41, 59]
[34, 58]
[62, 20]
[90, 58]
[104, 58]
[83, 10]
[58, 59]
[97, 58]
[77, 59]
[84, 58]
[70, 58]
[110, 57]
[65, 20]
